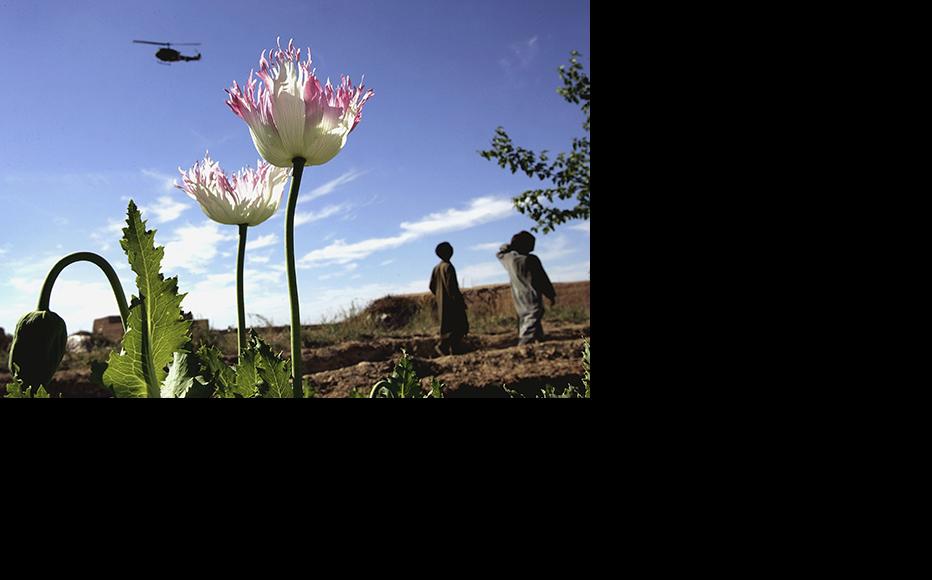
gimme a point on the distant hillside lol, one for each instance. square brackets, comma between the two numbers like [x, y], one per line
[492, 300]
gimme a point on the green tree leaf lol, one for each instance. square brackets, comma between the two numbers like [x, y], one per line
[569, 173]
[155, 327]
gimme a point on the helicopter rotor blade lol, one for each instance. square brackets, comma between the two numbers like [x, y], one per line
[150, 42]
[186, 43]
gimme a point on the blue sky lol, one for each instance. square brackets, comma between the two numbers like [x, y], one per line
[90, 120]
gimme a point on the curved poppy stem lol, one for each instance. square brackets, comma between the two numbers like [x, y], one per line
[240, 303]
[293, 279]
[46, 295]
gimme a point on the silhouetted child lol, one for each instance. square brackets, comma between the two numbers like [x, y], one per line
[529, 285]
[451, 308]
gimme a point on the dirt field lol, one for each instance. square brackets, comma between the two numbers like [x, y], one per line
[491, 358]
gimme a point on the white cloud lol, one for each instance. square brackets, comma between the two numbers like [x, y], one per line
[108, 235]
[487, 247]
[76, 300]
[480, 210]
[214, 296]
[569, 273]
[386, 262]
[340, 252]
[347, 269]
[482, 273]
[258, 258]
[194, 247]
[261, 242]
[166, 182]
[88, 180]
[553, 248]
[521, 55]
[165, 209]
[331, 185]
[313, 216]
[582, 226]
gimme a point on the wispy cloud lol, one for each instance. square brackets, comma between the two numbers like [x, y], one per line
[213, 297]
[194, 247]
[261, 242]
[332, 185]
[520, 55]
[487, 247]
[482, 273]
[386, 262]
[554, 248]
[339, 252]
[207, 142]
[569, 273]
[480, 210]
[166, 182]
[347, 269]
[258, 258]
[69, 180]
[164, 210]
[582, 226]
[302, 218]
[106, 236]
[79, 297]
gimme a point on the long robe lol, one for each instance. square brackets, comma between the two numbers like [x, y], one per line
[451, 307]
[529, 285]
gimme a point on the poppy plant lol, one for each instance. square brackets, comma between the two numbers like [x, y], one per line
[295, 122]
[246, 198]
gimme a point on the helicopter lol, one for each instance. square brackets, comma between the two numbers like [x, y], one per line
[169, 54]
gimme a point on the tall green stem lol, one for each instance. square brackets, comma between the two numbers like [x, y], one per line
[46, 295]
[240, 303]
[293, 278]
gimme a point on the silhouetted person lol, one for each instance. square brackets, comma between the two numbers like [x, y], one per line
[450, 304]
[529, 285]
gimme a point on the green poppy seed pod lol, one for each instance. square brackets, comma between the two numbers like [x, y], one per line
[38, 347]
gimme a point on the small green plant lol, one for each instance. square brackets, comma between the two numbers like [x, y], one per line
[17, 390]
[155, 328]
[570, 392]
[404, 383]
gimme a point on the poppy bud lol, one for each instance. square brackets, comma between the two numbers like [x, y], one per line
[38, 347]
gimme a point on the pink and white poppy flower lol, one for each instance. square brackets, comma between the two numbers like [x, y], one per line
[290, 115]
[249, 196]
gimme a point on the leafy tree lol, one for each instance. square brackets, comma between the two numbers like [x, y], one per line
[569, 173]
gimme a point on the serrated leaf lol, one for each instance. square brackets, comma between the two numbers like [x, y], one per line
[15, 390]
[155, 327]
[214, 367]
[178, 381]
[274, 372]
[436, 389]
[247, 375]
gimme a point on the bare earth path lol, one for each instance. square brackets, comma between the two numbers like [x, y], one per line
[489, 361]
